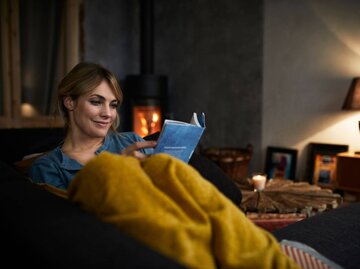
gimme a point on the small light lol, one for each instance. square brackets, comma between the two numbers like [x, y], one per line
[28, 110]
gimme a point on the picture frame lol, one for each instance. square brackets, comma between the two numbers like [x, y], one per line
[280, 162]
[322, 163]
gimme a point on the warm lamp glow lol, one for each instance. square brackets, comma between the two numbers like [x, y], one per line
[28, 110]
[352, 101]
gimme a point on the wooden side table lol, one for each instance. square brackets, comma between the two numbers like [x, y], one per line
[348, 172]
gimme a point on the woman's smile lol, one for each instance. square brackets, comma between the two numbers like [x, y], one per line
[103, 124]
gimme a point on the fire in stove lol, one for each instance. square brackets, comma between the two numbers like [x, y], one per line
[146, 120]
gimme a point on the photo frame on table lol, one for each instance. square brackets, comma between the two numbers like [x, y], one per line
[280, 162]
[322, 163]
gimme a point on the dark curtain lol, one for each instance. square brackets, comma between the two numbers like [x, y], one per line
[41, 49]
[1, 79]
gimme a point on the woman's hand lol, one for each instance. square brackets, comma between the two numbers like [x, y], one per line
[133, 150]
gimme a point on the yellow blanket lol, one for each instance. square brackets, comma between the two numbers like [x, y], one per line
[166, 204]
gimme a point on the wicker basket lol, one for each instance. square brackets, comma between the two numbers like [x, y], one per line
[233, 161]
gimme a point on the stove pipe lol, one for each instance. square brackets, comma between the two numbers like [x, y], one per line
[147, 36]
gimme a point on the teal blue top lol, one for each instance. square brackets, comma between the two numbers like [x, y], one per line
[57, 169]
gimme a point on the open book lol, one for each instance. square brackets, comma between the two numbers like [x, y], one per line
[180, 139]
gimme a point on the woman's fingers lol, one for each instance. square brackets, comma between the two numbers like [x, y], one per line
[133, 150]
[139, 155]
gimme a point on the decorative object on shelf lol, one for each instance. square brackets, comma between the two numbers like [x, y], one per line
[233, 161]
[322, 163]
[280, 162]
[287, 196]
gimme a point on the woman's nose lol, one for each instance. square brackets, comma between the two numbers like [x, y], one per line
[106, 111]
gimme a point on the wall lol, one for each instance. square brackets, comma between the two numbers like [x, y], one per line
[111, 34]
[311, 53]
[210, 50]
[268, 75]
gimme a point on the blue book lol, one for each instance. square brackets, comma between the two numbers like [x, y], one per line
[180, 139]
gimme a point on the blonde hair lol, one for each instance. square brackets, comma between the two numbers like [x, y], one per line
[82, 79]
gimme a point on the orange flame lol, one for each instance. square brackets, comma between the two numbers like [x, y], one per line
[147, 120]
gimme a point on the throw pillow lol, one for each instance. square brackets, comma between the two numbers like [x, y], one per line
[59, 192]
[305, 256]
[24, 164]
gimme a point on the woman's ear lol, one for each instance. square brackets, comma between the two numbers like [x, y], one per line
[68, 103]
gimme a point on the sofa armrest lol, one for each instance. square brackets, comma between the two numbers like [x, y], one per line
[42, 229]
[333, 233]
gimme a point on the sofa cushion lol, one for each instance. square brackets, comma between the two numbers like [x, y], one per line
[305, 256]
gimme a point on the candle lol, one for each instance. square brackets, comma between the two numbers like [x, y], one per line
[259, 181]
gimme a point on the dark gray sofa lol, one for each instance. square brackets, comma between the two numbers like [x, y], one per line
[41, 229]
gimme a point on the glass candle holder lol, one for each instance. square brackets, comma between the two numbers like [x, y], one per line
[258, 180]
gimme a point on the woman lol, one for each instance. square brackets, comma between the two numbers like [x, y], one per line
[170, 207]
[88, 98]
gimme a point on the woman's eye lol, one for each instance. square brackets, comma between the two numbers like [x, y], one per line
[114, 106]
[95, 102]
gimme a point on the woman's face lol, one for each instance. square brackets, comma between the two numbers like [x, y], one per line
[93, 114]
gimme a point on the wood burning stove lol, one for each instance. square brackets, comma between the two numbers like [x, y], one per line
[147, 91]
[148, 101]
